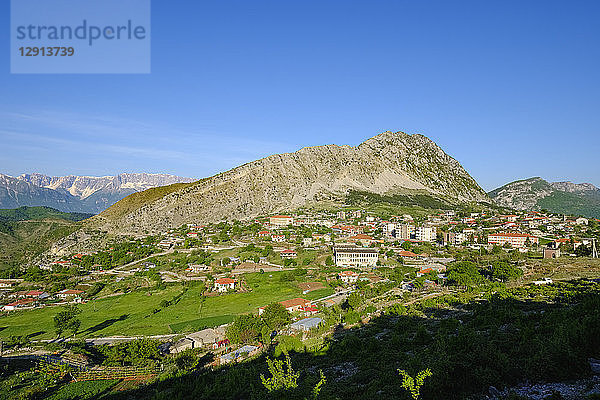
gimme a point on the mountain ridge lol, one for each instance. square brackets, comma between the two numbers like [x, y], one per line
[386, 162]
[73, 193]
[561, 197]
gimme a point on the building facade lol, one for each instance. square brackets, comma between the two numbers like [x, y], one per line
[518, 240]
[281, 220]
[351, 256]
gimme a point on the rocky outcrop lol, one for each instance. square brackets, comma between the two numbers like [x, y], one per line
[560, 197]
[382, 164]
[523, 194]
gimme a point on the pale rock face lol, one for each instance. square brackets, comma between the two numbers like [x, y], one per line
[526, 194]
[382, 164]
[522, 195]
[574, 187]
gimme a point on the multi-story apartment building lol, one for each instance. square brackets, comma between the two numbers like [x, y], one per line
[519, 240]
[425, 233]
[281, 220]
[352, 256]
[455, 238]
[399, 231]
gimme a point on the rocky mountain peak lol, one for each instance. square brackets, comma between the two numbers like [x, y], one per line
[386, 163]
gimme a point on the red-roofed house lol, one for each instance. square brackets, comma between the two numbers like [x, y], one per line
[296, 304]
[348, 277]
[365, 240]
[406, 254]
[263, 233]
[37, 294]
[288, 254]
[66, 293]
[20, 304]
[424, 271]
[292, 306]
[224, 284]
[281, 220]
[278, 238]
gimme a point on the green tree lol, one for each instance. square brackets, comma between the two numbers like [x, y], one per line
[329, 261]
[317, 389]
[66, 320]
[463, 273]
[355, 300]
[583, 251]
[245, 328]
[283, 376]
[413, 385]
[505, 271]
[275, 316]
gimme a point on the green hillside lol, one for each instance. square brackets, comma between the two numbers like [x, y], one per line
[587, 204]
[29, 213]
[26, 232]
[138, 199]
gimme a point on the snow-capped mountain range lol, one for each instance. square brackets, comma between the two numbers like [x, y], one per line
[90, 194]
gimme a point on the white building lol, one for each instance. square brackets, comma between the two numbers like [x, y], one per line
[351, 256]
[399, 231]
[348, 277]
[519, 240]
[281, 220]
[224, 284]
[581, 221]
[425, 233]
[278, 238]
[197, 268]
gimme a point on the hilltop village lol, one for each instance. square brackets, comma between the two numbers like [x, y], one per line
[290, 281]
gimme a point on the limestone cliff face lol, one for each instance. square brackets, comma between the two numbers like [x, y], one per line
[382, 164]
[523, 194]
[559, 197]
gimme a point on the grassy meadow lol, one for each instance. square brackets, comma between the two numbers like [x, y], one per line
[135, 313]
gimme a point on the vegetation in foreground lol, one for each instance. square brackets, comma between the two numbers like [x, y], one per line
[487, 336]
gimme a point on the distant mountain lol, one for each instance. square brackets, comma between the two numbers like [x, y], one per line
[86, 194]
[559, 197]
[388, 163]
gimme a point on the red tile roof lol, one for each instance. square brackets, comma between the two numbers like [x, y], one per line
[406, 253]
[224, 281]
[70, 291]
[512, 235]
[295, 302]
[21, 302]
[361, 236]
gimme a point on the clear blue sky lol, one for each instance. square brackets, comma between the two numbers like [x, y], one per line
[509, 88]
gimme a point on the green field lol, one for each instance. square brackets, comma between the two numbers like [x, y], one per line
[83, 390]
[132, 313]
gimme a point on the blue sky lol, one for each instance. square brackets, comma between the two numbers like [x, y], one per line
[511, 89]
